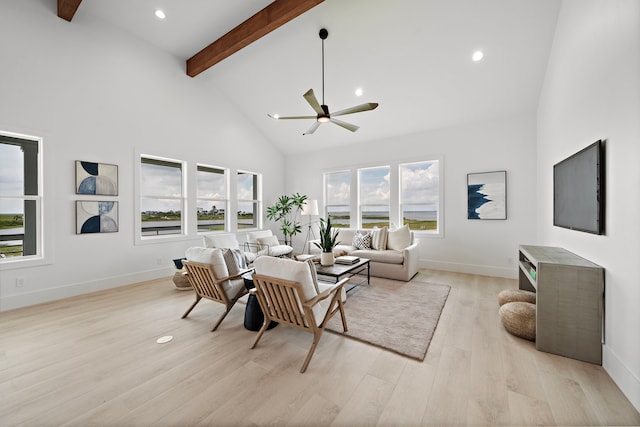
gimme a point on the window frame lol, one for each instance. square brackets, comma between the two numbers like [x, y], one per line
[39, 257]
[256, 202]
[360, 219]
[438, 232]
[184, 205]
[326, 197]
[226, 202]
[395, 202]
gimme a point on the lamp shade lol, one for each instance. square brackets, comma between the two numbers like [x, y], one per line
[310, 207]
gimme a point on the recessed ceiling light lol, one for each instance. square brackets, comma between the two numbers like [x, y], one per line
[477, 55]
[160, 14]
[359, 92]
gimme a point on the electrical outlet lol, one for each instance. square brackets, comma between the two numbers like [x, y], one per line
[510, 261]
[159, 260]
[19, 282]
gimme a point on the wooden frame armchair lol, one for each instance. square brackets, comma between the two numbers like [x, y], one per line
[283, 301]
[223, 290]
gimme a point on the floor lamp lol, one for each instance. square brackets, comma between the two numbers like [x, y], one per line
[310, 208]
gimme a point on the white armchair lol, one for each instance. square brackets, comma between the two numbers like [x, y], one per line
[227, 240]
[263, 242]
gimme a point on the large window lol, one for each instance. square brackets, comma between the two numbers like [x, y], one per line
[338, 197]
[420, 195]
[249, 200]
[373, 185]
[20, 197]
[162, 196]
[388, 195]
[212, 202]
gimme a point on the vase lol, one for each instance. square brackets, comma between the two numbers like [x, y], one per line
[326, 258]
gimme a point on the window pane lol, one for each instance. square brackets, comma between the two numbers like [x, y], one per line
[374, 186]
[419, 195]
[340, 216]
[160, 179]
[375, 216]
[210, 215]
[161, 197]
[19, 197]
[247, 215]
[161, 216]
[212, 198]
[338, 188]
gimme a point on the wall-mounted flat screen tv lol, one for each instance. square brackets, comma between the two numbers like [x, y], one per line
[578, 190]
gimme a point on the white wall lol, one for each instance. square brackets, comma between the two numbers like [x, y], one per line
[591, 92]
[488, 247]
[96, 94]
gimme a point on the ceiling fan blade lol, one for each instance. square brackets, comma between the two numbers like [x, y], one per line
[292, 117]
[312, 129]
[357, 109]
[313, 101]
[345, 125]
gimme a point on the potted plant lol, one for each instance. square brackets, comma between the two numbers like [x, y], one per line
[286, 210]
[328, 241]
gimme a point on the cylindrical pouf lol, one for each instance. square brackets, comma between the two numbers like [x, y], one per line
[516, 295]
[181, 281]
[519, 319]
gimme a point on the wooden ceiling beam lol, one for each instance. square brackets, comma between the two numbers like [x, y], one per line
[67, 8]
[262, 23]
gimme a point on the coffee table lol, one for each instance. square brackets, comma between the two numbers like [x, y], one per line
[337, 271]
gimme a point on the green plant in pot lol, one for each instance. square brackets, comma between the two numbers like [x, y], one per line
[286, 210]
[328, 241]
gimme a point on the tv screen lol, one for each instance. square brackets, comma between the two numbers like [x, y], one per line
[578, 190]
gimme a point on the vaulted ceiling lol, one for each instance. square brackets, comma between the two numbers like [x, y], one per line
[413, 57]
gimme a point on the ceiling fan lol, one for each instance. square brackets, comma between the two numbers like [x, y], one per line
[322, 110]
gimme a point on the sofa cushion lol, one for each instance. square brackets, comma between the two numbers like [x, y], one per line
[268, 241]
[379, 238]
[362, 241]
[399, 238]
[387, 256]
[345, 236]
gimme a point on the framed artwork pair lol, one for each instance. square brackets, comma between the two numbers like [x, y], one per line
[96, 216]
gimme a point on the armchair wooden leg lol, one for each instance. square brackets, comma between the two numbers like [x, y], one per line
[342, 316]
[316, 339]
[265, 325]
[186, 313]
[221, 319]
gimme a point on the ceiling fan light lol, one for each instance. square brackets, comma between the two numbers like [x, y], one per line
[323, 119]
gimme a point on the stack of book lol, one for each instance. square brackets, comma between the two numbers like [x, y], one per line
[347, 259]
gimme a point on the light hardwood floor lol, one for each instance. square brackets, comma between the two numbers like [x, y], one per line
[93, 360]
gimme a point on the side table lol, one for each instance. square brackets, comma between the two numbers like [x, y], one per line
[253, 316]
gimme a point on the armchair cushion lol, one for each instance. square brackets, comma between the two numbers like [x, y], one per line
[267, 242]
[215, 258]
[223, 240]
[234, 260]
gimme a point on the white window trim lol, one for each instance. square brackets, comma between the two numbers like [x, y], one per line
[324, 193]
[227, 201]
[360, 205]
[44, 252]
[146, 240]
[258, 202]
[440, 217]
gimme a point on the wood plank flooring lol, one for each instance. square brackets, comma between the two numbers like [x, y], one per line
[93, 360]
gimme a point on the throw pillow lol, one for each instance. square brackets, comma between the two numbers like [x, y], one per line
[211, 256]
[314, 274]
[361, 241]
[234, 261]
[399, 238]
[266, 242]
[379, 238]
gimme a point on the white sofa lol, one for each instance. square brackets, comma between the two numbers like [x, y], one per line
[396, 261]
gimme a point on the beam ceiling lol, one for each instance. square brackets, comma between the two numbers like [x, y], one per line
[262, 23]
[67, 8]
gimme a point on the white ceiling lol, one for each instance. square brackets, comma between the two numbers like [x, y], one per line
[413, 57]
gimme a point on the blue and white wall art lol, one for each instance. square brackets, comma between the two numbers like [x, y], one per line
[487, 195]
[96, 217]
[96, 178]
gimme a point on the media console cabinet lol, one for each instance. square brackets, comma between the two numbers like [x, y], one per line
[569, 301]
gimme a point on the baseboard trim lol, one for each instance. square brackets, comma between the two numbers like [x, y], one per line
[483, 270]
[74, 289]
[624, 378]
